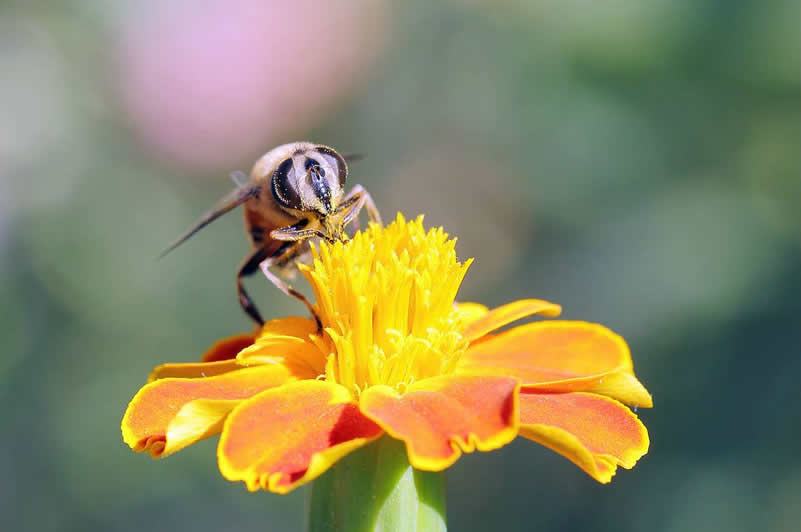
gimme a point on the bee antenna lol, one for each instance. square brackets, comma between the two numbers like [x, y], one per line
[233, 199]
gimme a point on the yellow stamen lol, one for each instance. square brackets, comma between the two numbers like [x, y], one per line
[385, 299]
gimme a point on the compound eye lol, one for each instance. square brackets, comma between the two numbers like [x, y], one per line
[336, 162]
[284, 185]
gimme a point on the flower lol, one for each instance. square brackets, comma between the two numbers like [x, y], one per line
[396, 356]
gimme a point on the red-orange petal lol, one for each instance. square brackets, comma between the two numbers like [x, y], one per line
[440, 417]
[228, 348]
[559, 356]
[508, 313]
[285, 437]
[594, 432]
[164, 405]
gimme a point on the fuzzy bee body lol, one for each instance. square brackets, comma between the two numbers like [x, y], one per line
[294, 193]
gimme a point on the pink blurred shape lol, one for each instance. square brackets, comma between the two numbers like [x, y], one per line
[207, 84]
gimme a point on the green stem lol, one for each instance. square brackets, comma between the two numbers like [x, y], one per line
[375, 489]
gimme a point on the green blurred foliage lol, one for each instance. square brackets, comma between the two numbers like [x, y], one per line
[637, 162]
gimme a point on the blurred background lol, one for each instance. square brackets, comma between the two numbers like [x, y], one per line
[637, 162]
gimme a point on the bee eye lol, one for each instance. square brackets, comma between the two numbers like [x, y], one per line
[284, 185]
[336, 162]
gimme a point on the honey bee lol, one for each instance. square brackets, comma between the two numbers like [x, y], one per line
[294, 193]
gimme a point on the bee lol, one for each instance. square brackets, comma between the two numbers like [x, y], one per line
[295, 192]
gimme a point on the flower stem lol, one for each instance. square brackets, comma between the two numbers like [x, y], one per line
[375, 489]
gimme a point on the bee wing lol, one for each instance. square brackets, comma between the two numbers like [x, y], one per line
[230, 201]
[353, 157]
[239, 178]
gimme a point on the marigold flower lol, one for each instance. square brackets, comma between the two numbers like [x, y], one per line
[396, 356]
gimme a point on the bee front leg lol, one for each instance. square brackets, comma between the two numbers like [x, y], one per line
[296, 232]
[292, 235]
[352, 205]
[282, 285]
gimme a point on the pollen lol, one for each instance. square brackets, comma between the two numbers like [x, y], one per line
[386, 300]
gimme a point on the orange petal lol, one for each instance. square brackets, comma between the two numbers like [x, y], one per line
[193, 370]
[440, 417]
[159, 407]
[228, 348]
[560, 356]
[287, 341]
[594, 432]
[506, 314]
[285, 437]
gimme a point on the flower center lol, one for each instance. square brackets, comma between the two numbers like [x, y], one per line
[385, 299]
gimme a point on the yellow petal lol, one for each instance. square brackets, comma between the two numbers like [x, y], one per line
[195, 421]
[291, 342]
[193, 370]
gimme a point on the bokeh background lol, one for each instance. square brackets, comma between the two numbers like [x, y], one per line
[637, 162]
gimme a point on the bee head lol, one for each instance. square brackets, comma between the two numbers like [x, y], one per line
[311, 180]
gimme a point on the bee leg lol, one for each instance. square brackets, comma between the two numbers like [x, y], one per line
[364, 199]
[282, 285]
[248, 267]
